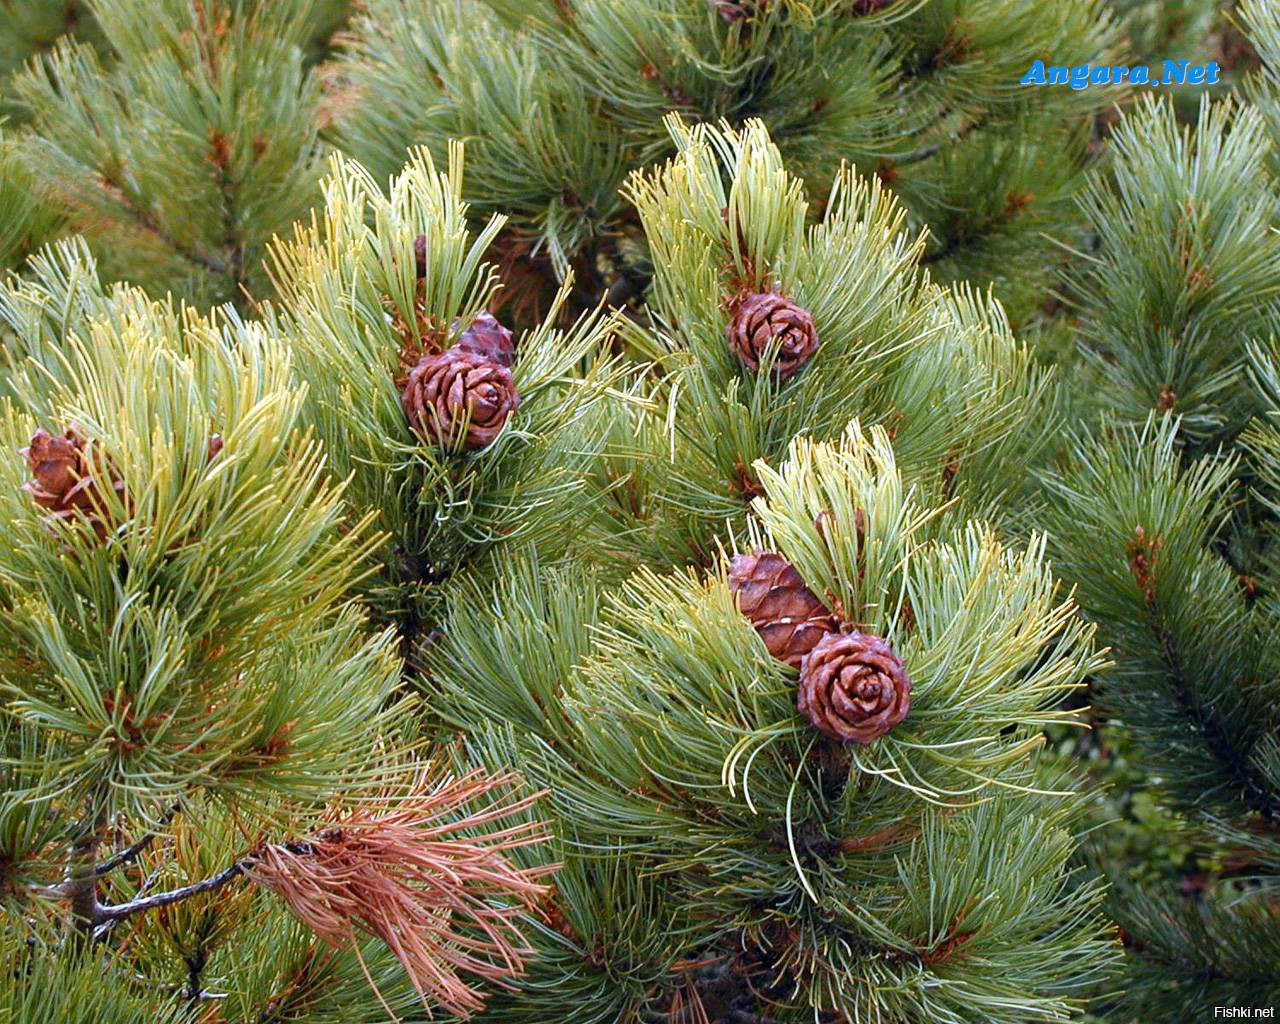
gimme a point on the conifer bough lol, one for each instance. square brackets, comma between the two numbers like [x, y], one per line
[254, 642]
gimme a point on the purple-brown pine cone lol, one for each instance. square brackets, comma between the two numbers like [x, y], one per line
[487, 337]
[736, 10]
[853, 687]
[62, 479]
[789, 616]
[763, 316]
[459, 398]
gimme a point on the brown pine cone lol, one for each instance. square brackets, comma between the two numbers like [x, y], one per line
[763, 316]
[853, 687]
[735, 10]
[486, 337]
[62, 480]
[459, 398]
[788, 615]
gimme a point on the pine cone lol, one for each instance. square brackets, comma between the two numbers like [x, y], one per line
[854, 687]
[763, 316]
[459, 398]
[788, 615]
[63, 481]
[735, 10]
[486, 337]
[420, 255]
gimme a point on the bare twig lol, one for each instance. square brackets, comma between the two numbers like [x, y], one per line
[133, 850]
[103, 930]
[161, 899]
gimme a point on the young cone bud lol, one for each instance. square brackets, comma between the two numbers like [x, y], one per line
[788, 615]
[62, 479]
[763, 316]
[853, 687]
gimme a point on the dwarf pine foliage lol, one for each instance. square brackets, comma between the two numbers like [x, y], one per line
[1165, 516]
[190, 691]
[361, 311]
[637, 512]
[793, 871]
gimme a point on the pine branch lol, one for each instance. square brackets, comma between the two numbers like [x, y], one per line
[103, 930]
[925, 152]
[81, 886]
[131, 852]
[148, 224]
[120, 911]
[1223, 746]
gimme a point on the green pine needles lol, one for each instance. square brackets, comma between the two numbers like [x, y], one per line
[804, 875]
[724, 218]
[361, 313]
[190, 149]
[191, 696]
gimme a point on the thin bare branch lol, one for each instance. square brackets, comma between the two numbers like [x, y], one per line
[162, 899]
[131, 852]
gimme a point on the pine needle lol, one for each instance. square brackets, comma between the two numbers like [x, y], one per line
[412, 872]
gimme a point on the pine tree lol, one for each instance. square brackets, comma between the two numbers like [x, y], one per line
[1166, 518]
[25, 222]
[726, 855]
[563, 100]
[188, 146]
[379, 297]
[726, 221]
[201, 738]
[726, 860]
[606, 580]
[30, 28]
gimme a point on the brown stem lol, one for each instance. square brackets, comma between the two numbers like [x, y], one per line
[81, 886]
